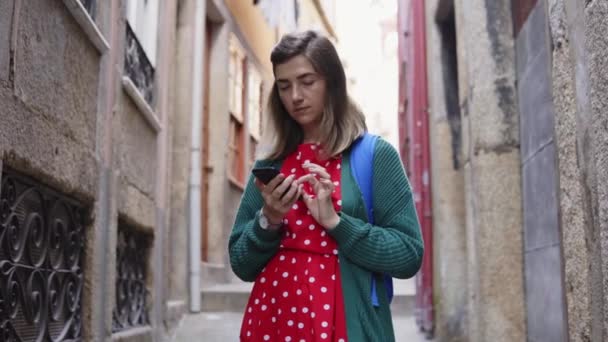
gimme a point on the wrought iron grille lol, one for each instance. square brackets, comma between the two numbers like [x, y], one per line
[138, 67]
[132, 253]
[41, 255]
[90, 6]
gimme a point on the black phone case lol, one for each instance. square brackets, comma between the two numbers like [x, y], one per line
[265, 174]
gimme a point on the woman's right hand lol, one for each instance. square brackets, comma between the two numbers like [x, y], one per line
[279, 196]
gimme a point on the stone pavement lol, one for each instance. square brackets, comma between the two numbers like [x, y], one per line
[221, 318]
[225, 326]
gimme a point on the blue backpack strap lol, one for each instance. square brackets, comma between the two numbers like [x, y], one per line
[362, 163]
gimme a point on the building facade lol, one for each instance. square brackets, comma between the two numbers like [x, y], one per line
[517, 138]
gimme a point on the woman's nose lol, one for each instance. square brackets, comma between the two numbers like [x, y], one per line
[296, 94]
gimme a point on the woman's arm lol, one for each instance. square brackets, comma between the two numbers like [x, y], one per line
[393, 245]
[251, 247]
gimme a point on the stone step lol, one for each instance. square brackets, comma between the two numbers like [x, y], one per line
[233, 297]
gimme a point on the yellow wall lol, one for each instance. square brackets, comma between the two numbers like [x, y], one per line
[252, 24]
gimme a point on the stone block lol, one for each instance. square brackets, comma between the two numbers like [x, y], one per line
[57, 69]
[544, 299]
[540, 201]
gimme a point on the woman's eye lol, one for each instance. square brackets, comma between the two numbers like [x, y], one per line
[308, 83]
[283, 88]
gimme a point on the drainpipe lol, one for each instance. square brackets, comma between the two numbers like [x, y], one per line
[194, 189]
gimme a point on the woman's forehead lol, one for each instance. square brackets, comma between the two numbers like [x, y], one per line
[293, 68]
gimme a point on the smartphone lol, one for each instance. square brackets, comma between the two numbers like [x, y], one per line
[265, 174]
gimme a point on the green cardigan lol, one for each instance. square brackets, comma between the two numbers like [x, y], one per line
[393, 246]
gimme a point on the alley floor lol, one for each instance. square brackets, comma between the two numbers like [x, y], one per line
[224, 326]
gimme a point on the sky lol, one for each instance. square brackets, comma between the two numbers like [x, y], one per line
[371, 60]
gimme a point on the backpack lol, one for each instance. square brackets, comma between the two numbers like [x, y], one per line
[361, 165]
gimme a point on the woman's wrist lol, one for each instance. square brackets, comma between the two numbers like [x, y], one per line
[333, 222]
[272, 217]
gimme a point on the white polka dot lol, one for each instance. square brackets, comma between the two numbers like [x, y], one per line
[248, 333]
[322, 266]
[285, 274]
[287, 234]
[333, 277]
[295, 278]
[311, 227]
[311, 279]
[282, 257]
[294, 236]
[335, 251]
[264, 307]
[264, 295]
[323, 335]
[266, 337]
[293, 170]
[305, 310]
[249, 322]
[341, 340]
[299, 292]
[323, 233]
[324, 244]
[293, 261]
[309, 259]
[285, 294]
[287, 339]
[301, 325]
[326, 306]
[285, 221]
[257, 301]
[279, 311]
[275, 283]
[295, 206]
[306, 272]
[306, 161]
[273, 300]
[310, 297]
[324, 324]
[262, 280]
[312, 314]
[294, 309]
[307, 242]
[303, 340]
[299, 222]
[324, 289]
[336, 183]
[249, 310]
[274, 319]
[313, 147]
[290, 322]
[339, 166]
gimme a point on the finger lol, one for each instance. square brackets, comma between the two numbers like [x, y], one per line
[305, 179]
[317, 169]
[282, 188]
[289, 197]
[259, 184]
[274, 182]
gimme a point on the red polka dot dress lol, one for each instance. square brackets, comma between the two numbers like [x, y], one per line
[298, 295]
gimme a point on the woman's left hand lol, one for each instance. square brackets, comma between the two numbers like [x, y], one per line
[320, 205]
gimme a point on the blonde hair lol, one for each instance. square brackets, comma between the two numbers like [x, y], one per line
[341, 123]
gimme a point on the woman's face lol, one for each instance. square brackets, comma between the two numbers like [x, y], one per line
[302, 91]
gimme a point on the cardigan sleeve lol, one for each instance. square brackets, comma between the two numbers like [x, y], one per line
[393, 245]
[250, 247]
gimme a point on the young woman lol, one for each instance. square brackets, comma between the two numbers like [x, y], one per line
[304, 237]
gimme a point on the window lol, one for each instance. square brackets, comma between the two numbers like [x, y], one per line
[140, 46]
[142, 16]
[235, 79]
[254, 102]
[245, 105]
